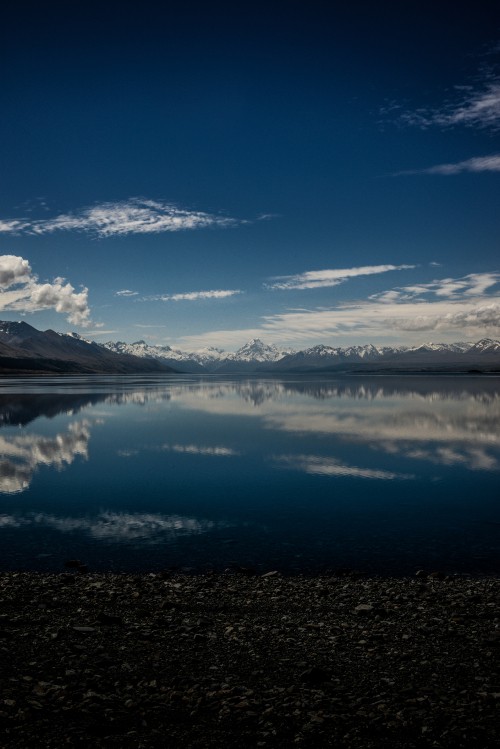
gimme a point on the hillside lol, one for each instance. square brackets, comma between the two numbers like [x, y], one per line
[26, 350]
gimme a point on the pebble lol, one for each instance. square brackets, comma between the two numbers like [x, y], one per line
[234, 660]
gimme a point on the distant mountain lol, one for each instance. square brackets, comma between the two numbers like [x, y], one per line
[253, 353]
[258, 351]
[162, 354]
[257, 356]
[24, 349]
[484, 354]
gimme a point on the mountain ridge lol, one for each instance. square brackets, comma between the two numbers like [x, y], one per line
[255, 355]
[25, 349]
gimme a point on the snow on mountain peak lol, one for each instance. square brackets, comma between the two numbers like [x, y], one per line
[258, 351]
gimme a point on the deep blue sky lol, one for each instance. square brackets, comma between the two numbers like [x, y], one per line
[275, 134]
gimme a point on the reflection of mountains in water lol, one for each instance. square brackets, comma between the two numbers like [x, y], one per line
[428, 388]
[258, 392]
[21, 409]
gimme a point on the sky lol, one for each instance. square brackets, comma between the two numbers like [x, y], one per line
[199, 174]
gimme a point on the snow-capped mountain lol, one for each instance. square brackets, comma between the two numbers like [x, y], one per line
[428, 356]
[321, 356]
[210, 358]
[144, 350]
[165, 354]
[23, 348]
[209, 355]
[257, 356]
[486, 346]
[455, 347]
[258, 351]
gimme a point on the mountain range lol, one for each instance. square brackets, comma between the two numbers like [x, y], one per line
[23, 349]
[257, 356]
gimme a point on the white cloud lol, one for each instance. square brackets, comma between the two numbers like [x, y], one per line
[12, 226]
[448, 305]
[477, 107]
[474, 284]
[476, 164]
[140, 325]
[13, 269]
[134, 216]
[474, 317]
[98, 331]
[126, 292]
[331, 277]
[193, 296]
[21, 291]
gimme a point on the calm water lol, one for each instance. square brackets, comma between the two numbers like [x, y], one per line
[384, 475]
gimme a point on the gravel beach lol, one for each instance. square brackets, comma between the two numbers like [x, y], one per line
[244, 660]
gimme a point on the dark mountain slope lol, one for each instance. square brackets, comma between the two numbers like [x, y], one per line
[25, 349]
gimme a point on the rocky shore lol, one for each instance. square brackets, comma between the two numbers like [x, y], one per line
[235, 660]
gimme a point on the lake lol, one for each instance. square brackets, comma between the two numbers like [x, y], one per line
[385, 475]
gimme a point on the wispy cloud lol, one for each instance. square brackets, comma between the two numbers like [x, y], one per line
[474, 284]
[193, 296]
[140, 325]
[476, 164]
[126, 292]
[134, 216]
[473, 106]
[331, 277]
[20, 290]
[454, 317]
[98, 332]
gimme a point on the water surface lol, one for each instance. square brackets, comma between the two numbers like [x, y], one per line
[384, 475]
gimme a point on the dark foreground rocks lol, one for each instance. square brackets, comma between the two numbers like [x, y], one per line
[240, 661]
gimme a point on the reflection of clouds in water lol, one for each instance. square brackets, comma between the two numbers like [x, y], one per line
[475, 459]
[11, 521]
[440, 429]
[127, 453]
[139, 397]
[118, 526]
[22, 455]
[395, 421]
[14, 478]
[218, 451]
[316, 464]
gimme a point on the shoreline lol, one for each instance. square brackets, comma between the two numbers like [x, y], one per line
[219, 660]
